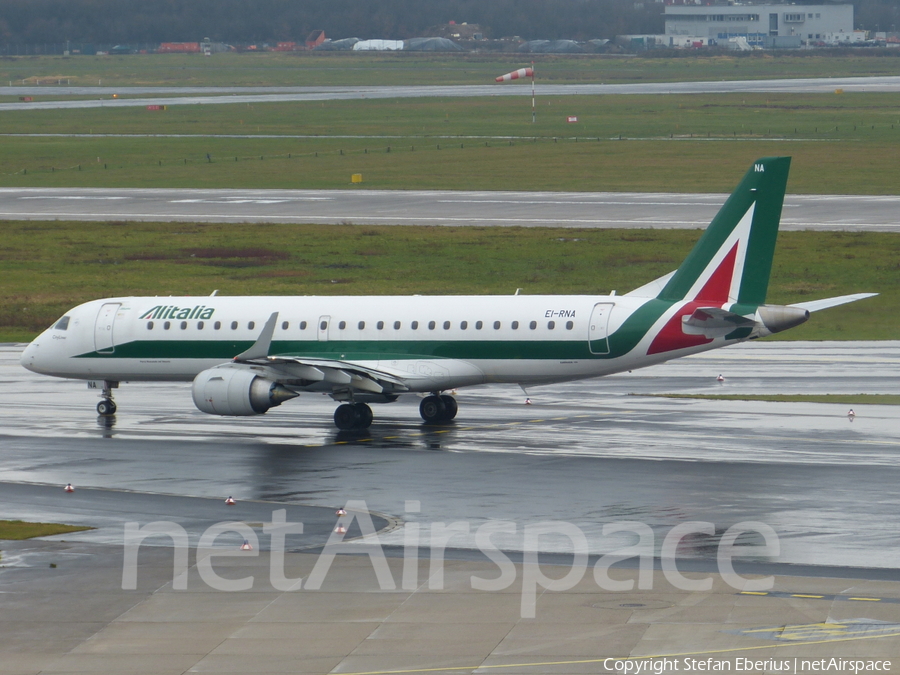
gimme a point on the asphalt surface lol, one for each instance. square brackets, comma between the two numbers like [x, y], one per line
[434, 207]
[220, 95]
[586, 453]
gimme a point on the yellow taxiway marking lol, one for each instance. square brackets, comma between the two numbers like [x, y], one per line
[415, 434]
[731, 650]
[782, 594]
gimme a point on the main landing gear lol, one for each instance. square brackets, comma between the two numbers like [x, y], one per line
[353, 416]
[107, 406]
[438, 408]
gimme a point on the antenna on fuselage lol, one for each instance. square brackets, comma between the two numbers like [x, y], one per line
[214, 292]
[517, 291]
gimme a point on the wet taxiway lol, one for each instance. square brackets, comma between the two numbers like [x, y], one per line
[586, 453]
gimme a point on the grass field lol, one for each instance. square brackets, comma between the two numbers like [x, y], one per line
[840, 144]
[17, 529]
[48, 267]
[318, 69]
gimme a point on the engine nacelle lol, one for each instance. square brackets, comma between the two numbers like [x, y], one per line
[237, 391]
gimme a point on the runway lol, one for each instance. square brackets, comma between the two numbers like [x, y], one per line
[587, 453]
[101, 97]
[434, 207]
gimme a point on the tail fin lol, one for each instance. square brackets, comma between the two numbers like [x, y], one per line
[733, 259]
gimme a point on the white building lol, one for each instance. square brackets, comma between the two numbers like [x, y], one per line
[762, 25]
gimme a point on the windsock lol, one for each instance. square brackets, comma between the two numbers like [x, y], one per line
[516, 74]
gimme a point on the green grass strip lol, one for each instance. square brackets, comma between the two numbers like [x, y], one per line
[19, 529]
[843, 399]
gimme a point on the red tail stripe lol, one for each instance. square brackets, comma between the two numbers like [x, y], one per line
[716, 289]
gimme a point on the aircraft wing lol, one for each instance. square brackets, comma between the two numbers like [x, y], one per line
[825, 303]
[332, 371]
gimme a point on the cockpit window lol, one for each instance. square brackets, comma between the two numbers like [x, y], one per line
[62, 324]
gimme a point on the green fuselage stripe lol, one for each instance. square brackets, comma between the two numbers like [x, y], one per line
[622, 341]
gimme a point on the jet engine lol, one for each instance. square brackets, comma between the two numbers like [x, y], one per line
[237, 391]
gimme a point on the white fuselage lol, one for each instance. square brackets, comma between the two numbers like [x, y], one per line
[433, 342]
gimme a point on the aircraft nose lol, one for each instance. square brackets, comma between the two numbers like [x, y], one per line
[29, 357]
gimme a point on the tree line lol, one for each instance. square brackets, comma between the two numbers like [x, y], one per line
[243, 21]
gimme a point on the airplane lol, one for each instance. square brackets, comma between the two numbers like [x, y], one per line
[246, 355]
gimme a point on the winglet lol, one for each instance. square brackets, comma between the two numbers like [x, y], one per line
[260, 348]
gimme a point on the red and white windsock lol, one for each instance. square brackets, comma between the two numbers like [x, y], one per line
[516, 74]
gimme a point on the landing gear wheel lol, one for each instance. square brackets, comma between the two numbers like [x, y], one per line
[450, 405]
[365, 416]
[346, 417]
[432, 409]
[106, 407]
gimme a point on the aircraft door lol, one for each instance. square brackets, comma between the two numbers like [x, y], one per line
[599, 328]
[103, 329]
[324, 322]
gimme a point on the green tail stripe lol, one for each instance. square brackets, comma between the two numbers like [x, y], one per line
[764, 184]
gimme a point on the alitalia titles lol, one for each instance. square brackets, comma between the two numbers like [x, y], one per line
[174, 312]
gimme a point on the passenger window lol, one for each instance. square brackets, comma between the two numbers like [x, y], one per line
[551, 325]
[380, 325]
[479, 325]
[496, 325]
[431, 325]
[285, 325]
[234, 325]
[515, 325]
[464, 324]
[167, 325]
[200, 325]
[302, 325]
[149, 325]
[183, 325]
[532, 325]
[323, 325]
[414, 325]
[217, 325]
[361, 325]
[396, 325]
[342, 325]
[251, 325]
[446, 325]
[570, 325]
[63, 324]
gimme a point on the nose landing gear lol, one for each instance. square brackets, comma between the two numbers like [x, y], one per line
[107, 406]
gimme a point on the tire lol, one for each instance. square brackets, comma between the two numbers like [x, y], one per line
[432, 409]
[346, 417]
[365, 418]
[451, 406]
[106, 407]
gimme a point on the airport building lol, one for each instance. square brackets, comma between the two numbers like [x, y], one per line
[766, 26]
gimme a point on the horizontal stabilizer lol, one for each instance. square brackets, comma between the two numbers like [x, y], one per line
[825, 303]
[652, 289]
[713, 322]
